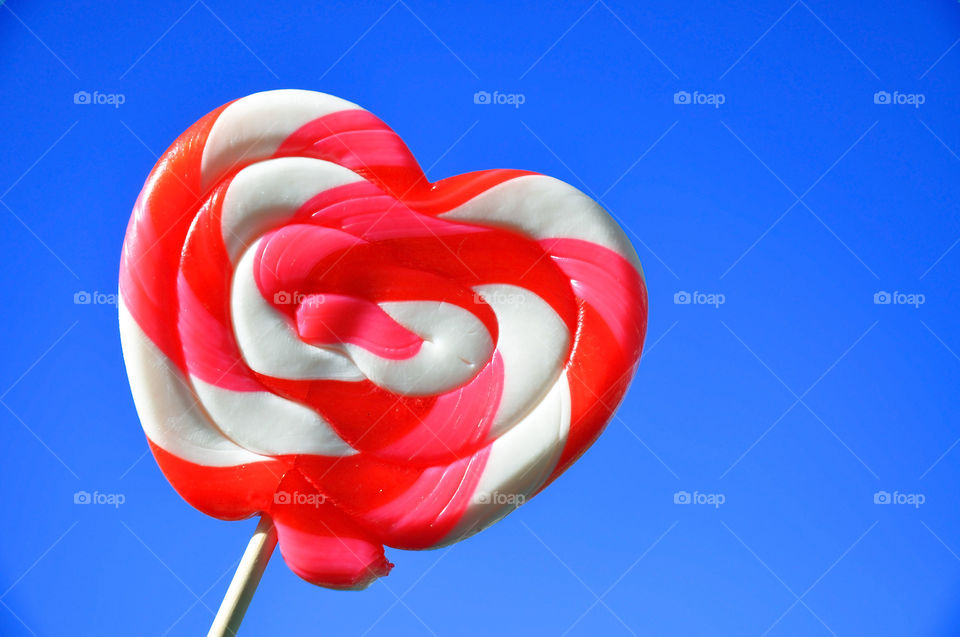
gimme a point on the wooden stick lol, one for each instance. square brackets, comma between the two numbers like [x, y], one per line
[245, 580]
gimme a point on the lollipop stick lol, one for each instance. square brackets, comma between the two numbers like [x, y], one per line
[245, 580]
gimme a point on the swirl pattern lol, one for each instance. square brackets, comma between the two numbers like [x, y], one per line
[314, 330]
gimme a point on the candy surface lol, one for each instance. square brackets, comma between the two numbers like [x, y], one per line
[315, 331]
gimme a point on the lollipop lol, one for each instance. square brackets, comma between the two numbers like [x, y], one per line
[315, 332]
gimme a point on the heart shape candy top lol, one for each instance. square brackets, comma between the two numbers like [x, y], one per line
[315, 331]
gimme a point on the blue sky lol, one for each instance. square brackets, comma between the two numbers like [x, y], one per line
[786, 168]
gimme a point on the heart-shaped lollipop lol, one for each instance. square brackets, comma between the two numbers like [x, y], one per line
[314, 331]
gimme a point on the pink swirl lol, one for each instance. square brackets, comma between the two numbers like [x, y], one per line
[314, 330]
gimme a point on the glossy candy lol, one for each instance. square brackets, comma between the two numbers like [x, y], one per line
[313, 330]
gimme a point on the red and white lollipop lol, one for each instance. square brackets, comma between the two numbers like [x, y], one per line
[315, 332]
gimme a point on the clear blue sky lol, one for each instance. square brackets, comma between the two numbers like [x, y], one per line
[795, 400]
